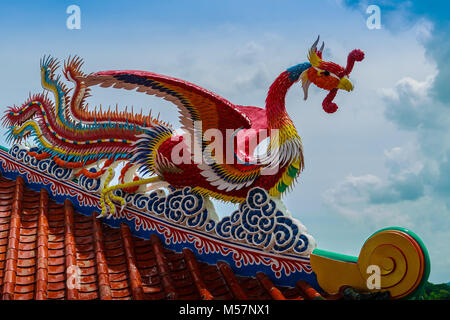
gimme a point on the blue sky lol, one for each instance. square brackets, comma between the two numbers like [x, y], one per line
[382, 160]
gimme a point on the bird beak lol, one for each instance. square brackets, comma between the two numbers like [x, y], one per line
[345, 84]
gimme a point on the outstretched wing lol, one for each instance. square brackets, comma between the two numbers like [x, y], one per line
[194, 103]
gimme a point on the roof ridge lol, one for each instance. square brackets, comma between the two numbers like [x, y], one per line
[67, 255]
[134, 276]
[9, 280]
[163, 267]
[70, 251]
[192, 265]
[102, 267]
[42, 248]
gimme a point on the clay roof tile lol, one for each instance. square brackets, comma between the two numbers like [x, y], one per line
[49, 251]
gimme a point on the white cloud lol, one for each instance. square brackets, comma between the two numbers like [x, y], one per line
[351, 199]
[409, 89]
[249, 52]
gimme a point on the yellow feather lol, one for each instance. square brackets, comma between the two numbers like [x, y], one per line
[287, 180]
[314, 58]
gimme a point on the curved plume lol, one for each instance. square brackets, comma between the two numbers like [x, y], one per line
[328, 105]
[314, 55]
[355, 55]
[315, 58]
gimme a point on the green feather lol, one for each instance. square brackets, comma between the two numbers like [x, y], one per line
[292, 171]
[282, 187]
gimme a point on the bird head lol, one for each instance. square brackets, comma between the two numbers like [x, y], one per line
[328, 75]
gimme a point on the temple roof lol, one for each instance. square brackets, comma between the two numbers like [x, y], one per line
[45, 245]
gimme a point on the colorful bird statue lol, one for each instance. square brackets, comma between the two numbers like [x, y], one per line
[216, 154]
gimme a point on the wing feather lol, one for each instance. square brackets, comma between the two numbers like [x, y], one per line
[194, 104]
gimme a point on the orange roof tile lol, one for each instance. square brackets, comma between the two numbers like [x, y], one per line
[48, 251]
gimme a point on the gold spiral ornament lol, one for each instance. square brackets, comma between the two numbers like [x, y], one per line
[399, 256]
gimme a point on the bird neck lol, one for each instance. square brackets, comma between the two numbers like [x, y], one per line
[275, 102]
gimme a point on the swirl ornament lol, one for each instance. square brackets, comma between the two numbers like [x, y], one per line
[14, 150]
[401, 258]
[44, 165]
[261, 222]
[181, 206]
[89, 184]
[21, 154]
[392, 259]
[59, 172]
[29, 160]
[47, 166]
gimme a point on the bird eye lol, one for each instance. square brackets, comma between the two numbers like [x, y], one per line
[326, 73]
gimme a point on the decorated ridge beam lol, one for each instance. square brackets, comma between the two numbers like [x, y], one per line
[258, 236]
[401, 255]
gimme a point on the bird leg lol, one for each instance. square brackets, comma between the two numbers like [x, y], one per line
[123, 176]
[107, 198]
